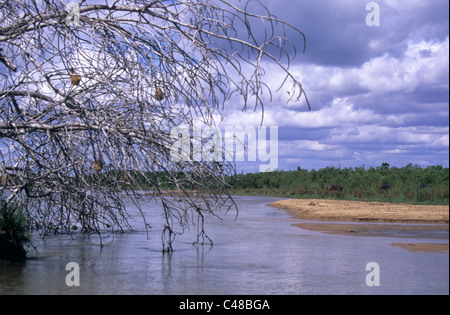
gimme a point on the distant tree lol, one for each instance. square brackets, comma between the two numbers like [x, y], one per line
[90, 91]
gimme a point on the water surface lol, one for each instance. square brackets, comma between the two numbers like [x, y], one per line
[259, 253]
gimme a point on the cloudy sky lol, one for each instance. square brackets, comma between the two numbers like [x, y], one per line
[378, 94]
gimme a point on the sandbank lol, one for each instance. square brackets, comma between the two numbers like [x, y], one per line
[394, 220]
[424, 247]
[359, 211]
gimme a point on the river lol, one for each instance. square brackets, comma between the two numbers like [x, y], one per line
[259, 253]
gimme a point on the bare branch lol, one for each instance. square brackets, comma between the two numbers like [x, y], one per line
[88, 103]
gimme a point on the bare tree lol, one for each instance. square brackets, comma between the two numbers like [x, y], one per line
[89, 93]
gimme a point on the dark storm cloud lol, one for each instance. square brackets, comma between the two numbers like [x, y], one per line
[338, 35]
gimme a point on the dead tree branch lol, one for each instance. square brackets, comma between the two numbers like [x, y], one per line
[89, 95]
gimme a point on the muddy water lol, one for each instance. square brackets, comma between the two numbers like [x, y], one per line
[260, 253]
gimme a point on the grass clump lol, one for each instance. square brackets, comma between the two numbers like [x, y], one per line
[14, 234]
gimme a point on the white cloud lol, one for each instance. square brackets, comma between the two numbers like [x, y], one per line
[422, 63]
[396, 137]
[284, 117]
[305, 145]
[340, 113]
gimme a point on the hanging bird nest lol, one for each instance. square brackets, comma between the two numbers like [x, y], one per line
[159, 95]
[98, 164]
[74, 78]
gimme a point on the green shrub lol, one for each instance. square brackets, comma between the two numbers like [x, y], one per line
[14, 234]
[407, 184]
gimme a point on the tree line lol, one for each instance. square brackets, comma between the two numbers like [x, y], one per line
[409, 184]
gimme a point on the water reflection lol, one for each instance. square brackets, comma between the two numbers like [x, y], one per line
[260, 253]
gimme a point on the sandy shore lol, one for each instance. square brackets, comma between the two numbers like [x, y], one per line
[424, 247]
[327, 211]
[341, 210]
[389, 230]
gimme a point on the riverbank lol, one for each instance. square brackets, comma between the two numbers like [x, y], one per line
[429, 220]
[358, 211]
